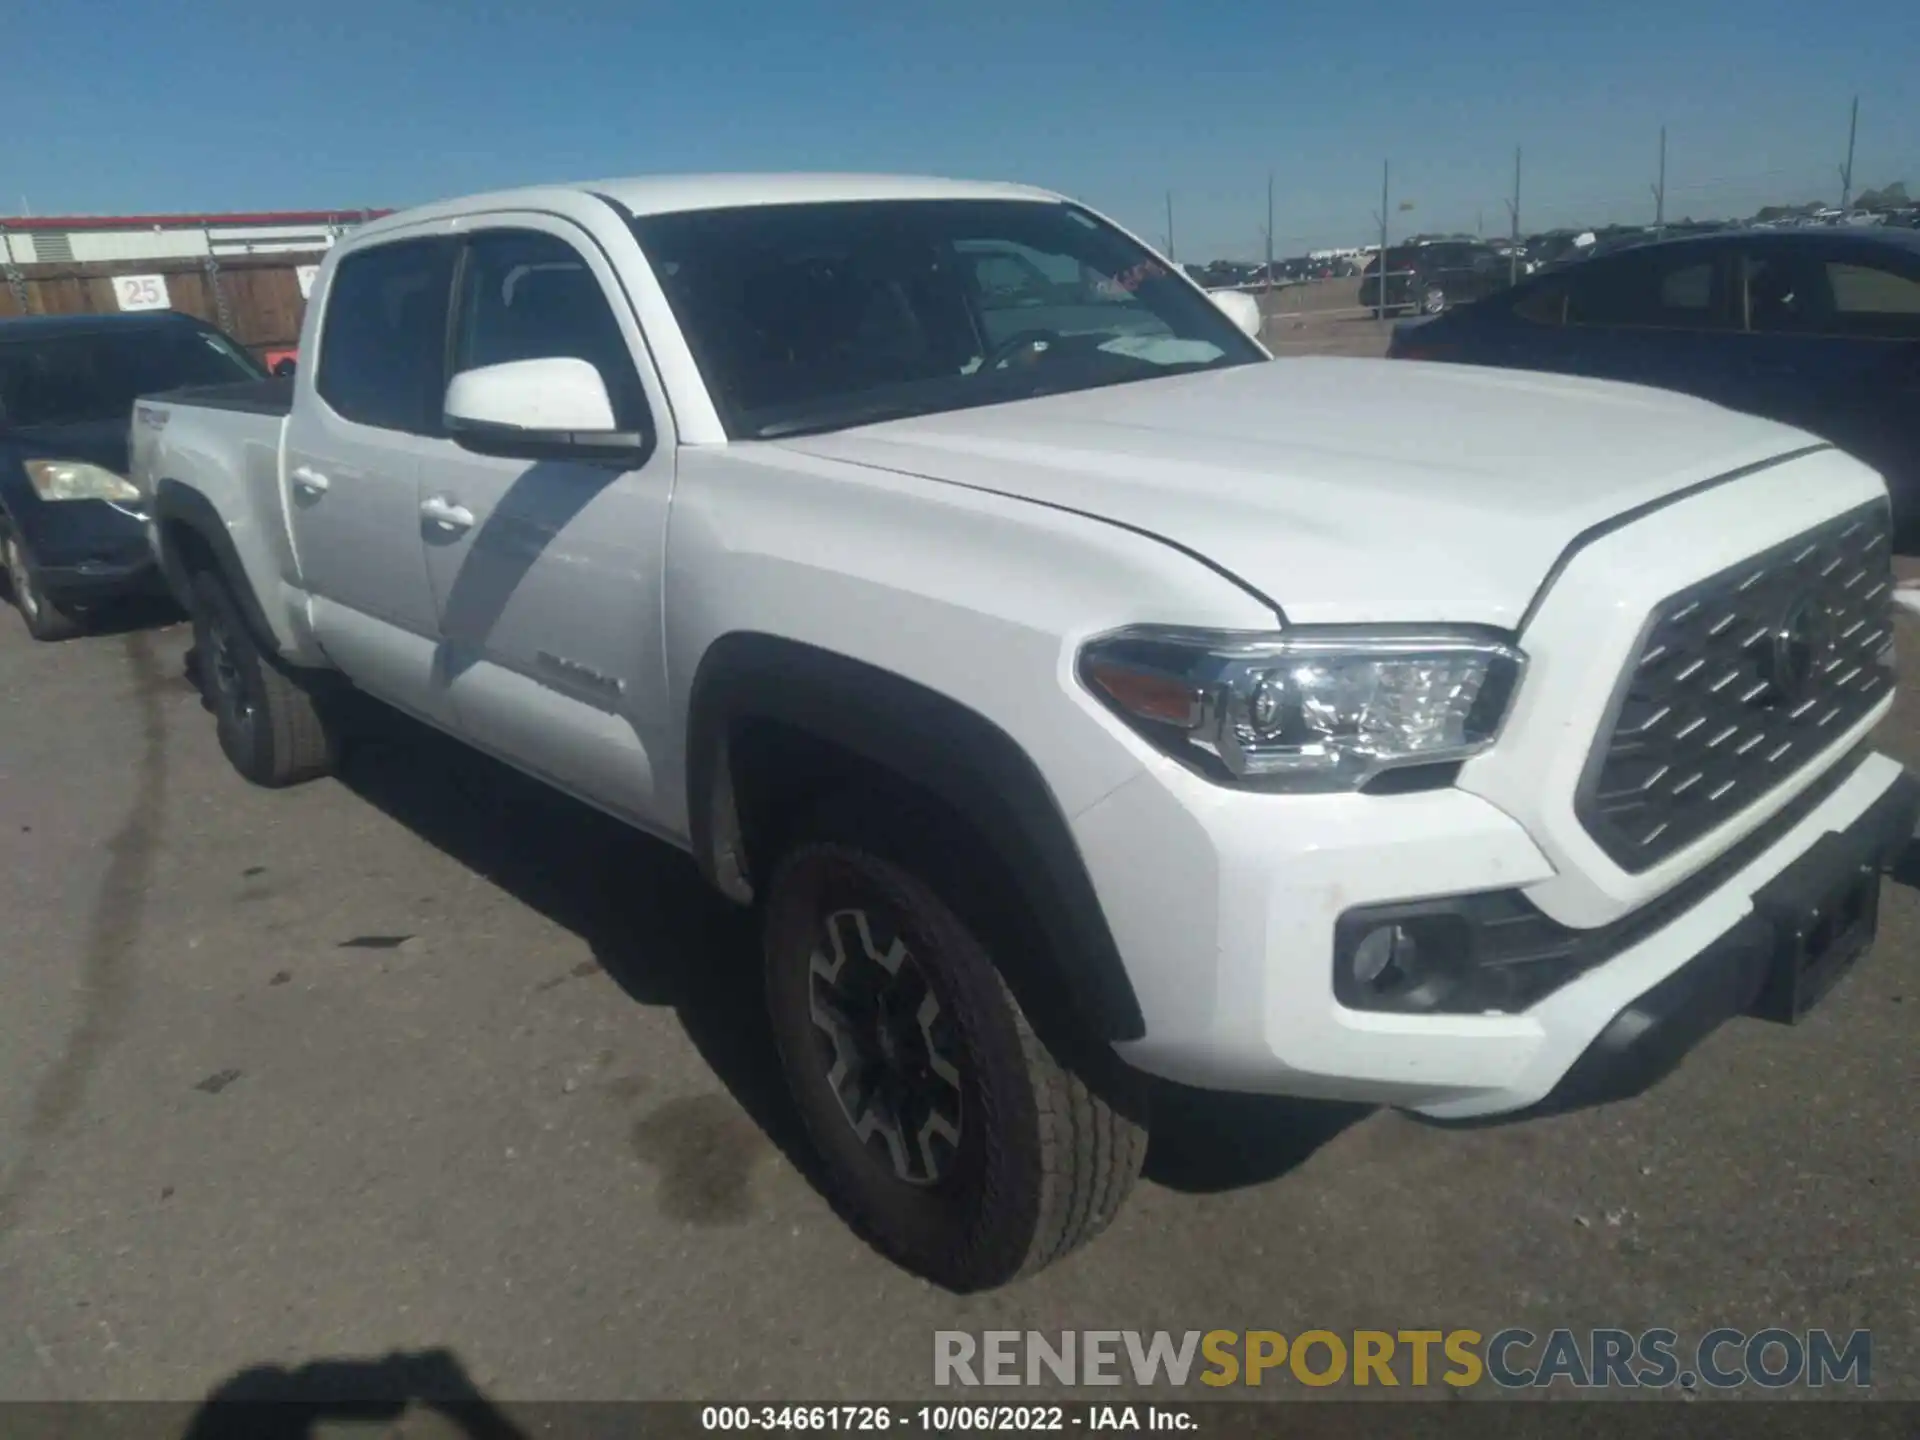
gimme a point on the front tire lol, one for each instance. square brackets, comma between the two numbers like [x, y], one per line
[947, 1134]
[1433, 301]
[270, 726]
[44, 619]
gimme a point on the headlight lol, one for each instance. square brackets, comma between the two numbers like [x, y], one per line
[77, 480]
[1312, 709]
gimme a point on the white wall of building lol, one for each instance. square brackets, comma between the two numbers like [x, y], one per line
[97, 247]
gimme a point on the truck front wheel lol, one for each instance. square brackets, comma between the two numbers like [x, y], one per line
[947, 1134]
[270, 726]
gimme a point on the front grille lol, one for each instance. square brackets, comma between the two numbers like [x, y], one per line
[1737, 683]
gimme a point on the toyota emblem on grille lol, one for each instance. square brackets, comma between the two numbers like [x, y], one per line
[1801, 643]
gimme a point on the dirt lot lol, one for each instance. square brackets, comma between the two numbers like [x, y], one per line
[1323, 317]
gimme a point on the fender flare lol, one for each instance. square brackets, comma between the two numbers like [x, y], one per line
[175, 503]
[934, 743]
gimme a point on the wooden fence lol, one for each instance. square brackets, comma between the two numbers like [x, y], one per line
[255, 298]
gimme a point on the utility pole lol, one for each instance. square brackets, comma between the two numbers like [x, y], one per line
[1386, 167]
[1846, 170]
[1660, 190]
[1513, 212]
[1268, 276]
[1170, 254]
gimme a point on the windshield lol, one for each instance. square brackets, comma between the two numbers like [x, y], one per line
[806, 318]
[79, 378]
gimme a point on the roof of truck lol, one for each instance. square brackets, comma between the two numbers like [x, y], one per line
[665, 194]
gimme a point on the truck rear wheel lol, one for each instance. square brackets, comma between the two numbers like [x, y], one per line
[270, 725]
[947, 1134]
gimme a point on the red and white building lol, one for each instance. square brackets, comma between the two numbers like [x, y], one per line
[119, 239]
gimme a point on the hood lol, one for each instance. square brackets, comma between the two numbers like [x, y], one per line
[1343, 491]
[99, 442]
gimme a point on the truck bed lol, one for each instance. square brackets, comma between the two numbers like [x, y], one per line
[253, 397]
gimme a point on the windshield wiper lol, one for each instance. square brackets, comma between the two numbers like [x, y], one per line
[840, 420]
[1005, 386]
[1141, 370]
[877, 413]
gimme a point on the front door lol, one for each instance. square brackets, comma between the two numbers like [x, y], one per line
[364, 417]
[1831, 343]
[547, 575]
[1656, 316]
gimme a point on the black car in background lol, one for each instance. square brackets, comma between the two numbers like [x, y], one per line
[1819, 328]
[72, 530]
[1433, 278]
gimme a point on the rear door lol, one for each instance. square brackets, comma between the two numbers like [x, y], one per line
[548, 585]
[365, 412]
[1657, 316]
[1831, 342]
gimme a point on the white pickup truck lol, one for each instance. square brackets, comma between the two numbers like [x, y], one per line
[1079, 693]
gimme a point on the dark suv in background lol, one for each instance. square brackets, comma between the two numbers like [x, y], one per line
[1434, 277]
[72, 527]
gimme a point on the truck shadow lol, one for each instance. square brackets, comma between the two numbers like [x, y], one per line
[648, 918]
[1204, 1142]
[330, 1397]
[665, 938]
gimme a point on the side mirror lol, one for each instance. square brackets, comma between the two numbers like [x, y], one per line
[548, 409]
[1239, 307]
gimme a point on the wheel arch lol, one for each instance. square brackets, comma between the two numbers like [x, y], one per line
[193, 537]
[771, 721]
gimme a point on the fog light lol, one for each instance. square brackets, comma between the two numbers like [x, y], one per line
[1410, 959]
[1385, 956]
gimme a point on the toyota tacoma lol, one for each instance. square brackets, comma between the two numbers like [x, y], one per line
[1079, 694]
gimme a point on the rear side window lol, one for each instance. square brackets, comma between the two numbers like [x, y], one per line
[1648, 288]
[1688, 289]
[383, 341]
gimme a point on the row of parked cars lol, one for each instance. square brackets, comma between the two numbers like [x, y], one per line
[1080, 699]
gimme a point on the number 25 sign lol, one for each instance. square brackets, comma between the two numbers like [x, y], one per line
[141, 292]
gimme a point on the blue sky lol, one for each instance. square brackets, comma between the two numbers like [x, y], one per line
[264, 104]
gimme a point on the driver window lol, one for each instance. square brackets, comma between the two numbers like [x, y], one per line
[527, 295]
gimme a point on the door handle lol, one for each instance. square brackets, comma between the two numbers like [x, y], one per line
[443, 512]
[310, 480]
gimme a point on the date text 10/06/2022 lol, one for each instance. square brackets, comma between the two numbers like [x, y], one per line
[945, 1419]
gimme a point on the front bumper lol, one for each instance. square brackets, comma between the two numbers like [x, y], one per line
[89, 551]
[1228, 924]
[1227, 904]
[1753, 968]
